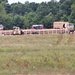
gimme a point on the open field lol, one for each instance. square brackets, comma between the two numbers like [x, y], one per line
[52, 54]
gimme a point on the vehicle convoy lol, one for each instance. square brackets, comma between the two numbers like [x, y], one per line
[69, 27]
[17, 31]
[58, 28]
[37, 27]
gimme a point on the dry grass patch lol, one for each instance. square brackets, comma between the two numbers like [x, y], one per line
[37, 54]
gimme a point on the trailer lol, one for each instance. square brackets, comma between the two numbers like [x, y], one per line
[69, 27]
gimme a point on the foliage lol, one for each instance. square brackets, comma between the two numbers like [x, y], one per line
[25, 15]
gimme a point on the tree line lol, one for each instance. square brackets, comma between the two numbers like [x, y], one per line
[27, 14]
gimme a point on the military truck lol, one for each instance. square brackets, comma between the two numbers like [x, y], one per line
[17, 31]
[68, 27]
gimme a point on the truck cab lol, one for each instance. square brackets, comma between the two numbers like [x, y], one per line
[70, 27]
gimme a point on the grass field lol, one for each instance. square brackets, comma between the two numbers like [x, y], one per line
[37, 54]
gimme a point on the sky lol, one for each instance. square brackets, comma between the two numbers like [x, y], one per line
[23, 1]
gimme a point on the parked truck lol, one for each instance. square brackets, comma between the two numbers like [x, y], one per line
[17, 31]
[37, 26]
[68, 27]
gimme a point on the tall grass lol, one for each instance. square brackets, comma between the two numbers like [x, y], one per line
[37, 53]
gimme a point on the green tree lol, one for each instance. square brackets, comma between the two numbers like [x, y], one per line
[25, 15]
[30, 19]
[2, 12]
[8, 8]
[33, 6]
[72, 15]
[4, 1]
[48, 20]
[7, 22]
[20, 9]
[18, 21]
[61, 1]
[42, 10]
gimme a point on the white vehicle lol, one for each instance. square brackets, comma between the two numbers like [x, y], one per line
[37, 26]
[1, 27]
